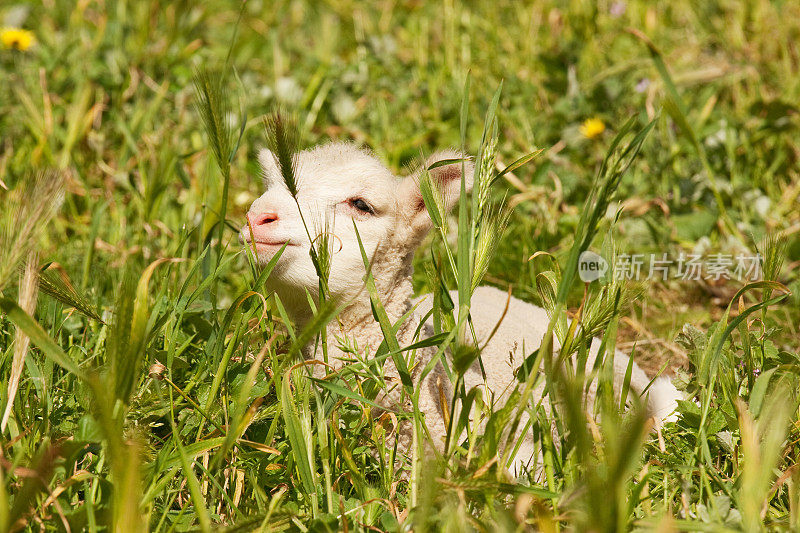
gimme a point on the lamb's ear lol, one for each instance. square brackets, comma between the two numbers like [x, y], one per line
[445, 169]
[269, 167]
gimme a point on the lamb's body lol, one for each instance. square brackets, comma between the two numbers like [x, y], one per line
[522, 326]
[392, 221]
[514, 329]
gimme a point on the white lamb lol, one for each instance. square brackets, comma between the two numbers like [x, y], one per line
[342, 184]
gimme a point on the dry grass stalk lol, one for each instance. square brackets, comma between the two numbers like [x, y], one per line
[28, 291]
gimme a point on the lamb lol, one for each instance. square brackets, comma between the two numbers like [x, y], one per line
[343, 184]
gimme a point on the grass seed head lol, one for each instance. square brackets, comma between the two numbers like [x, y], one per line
[283, 139]
[211, 101]
[39, 198]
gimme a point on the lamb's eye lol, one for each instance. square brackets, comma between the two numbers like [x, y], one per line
[361, 205]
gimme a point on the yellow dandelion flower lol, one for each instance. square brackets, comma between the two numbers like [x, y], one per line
[17, 38]
[592, 127]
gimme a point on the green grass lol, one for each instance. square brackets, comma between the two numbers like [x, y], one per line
[161, 390]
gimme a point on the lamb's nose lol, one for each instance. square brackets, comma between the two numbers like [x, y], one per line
[261, 219]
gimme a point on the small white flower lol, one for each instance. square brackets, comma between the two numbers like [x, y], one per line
[762, 206]
[243, 198]
[344, 109]
[287, 90]
[617, 9]
[702, 246]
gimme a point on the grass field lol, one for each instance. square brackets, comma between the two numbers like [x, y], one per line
[154, 386]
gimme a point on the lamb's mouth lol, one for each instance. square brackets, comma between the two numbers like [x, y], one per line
[269, 245]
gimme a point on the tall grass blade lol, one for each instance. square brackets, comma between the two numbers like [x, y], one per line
[39, 336]
[379, 313]
[128, 490]
[522, 161]
[195, 493]
[295, 434]
[325, 313]
[5, 509]
[762, 442]
[130, 334]
[28, 493]
[612, 170]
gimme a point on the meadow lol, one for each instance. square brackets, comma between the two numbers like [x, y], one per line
[150, 383]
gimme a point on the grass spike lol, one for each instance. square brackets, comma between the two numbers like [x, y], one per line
[283, 139]
[38, 198]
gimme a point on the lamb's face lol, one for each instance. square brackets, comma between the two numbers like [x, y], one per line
[338, 185]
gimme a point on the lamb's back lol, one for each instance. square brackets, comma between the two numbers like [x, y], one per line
[520, 327]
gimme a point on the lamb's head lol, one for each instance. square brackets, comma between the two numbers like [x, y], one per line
[339, 184]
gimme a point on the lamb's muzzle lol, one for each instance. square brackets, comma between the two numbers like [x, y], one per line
[342, 184]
